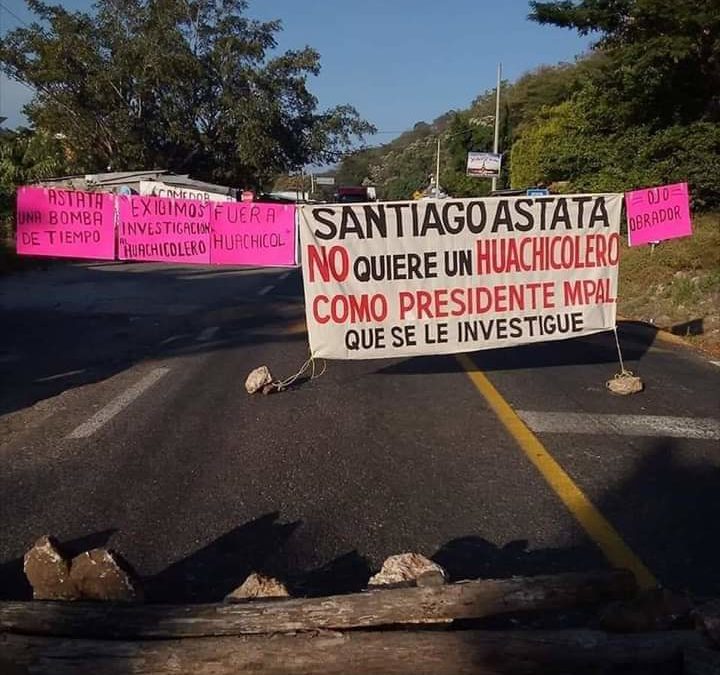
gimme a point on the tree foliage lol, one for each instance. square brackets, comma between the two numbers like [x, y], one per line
[663, 56]
[189, 85]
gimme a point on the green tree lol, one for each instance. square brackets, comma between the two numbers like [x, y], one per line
[663, 56]
[186, 85]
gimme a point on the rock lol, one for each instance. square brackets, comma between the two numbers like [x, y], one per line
[408, 569]
[625, 384]
[258, 586]
[707, 619]
[257, 379]
[48, 571]
[649, 611]
[101, 575]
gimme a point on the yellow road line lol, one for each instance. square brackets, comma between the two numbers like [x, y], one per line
[592, 521]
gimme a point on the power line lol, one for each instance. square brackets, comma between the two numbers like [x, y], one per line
[11, 13]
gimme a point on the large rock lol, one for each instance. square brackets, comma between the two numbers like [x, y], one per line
[258, 586]
[101, 575]
[48, 571]
[409, 569]
[258, 379]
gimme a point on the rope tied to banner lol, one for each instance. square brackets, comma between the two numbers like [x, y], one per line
[309, 365]
[262, 380]
[625, 382]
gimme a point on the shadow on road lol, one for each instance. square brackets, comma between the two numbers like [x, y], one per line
[52, 344]
[668, 511]
[635, 340]
[210, 573]
[473, 557]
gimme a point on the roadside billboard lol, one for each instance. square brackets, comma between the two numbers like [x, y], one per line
[159, 189]
[483, 164]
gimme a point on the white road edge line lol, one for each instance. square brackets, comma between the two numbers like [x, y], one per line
[118, 404]
[715, 363]
[265, 290]
[622, 425]
[59, 376]
[207, 334]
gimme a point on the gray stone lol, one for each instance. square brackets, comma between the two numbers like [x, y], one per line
[257, 379]
[101, 575]
[48, 571]
[408, 569]
[258, 586]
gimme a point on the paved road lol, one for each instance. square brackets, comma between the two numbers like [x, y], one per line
[124, 421]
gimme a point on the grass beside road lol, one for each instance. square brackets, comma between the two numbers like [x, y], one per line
[676, 286]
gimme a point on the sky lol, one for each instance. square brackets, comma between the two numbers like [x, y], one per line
[397, 61]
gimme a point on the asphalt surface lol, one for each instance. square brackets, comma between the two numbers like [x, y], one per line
[124, 422]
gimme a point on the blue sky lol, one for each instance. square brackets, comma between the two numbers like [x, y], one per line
[397, 61]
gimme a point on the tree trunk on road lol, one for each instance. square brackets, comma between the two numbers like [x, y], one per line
[355, 653]
[468, 600]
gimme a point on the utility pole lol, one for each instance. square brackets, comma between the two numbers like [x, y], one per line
[496, 144]
[437, 171]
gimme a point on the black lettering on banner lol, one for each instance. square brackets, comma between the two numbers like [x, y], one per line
[528, 223]
[476, 227]
[403, 336]
[502, 217]
[456, 224]
[365, 338]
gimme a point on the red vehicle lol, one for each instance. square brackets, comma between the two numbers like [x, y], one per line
[355, 194]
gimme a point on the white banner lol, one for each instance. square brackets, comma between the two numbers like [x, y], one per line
[437, 277]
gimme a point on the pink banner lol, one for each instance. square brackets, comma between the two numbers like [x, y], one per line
[659, 213]
[251, 233]
[164, 230]
[65, 223]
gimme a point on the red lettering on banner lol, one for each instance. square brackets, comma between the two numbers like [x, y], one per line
[335, 263]
[341, 309]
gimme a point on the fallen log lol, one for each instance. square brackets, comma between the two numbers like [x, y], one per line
[440, 653]
[439, 604]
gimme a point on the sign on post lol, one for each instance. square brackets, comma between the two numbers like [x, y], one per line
[484, 164]
[164, 230]
[414, 278]
[252, 233]
[656, 214]
[153, 188]
[65, 223]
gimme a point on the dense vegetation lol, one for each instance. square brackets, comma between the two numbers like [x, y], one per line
[642, 108]
[187, 85]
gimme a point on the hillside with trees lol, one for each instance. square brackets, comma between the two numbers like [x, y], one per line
[641, 108]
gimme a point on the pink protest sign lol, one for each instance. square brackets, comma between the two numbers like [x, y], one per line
[659, 213]
[164, 230]
[252, 233]
[65, 223]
